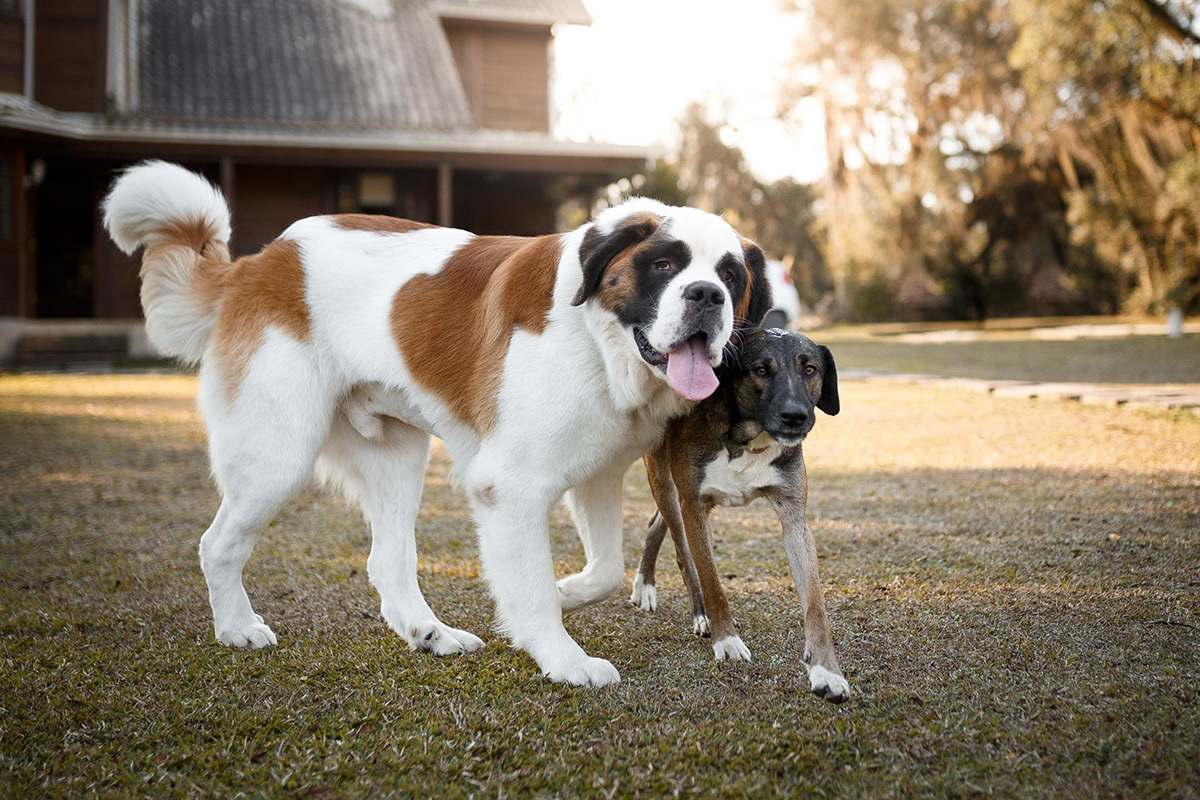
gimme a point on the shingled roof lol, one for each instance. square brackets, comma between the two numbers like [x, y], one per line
[360, 63]
[336, 76]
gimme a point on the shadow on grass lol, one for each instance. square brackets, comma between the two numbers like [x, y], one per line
[1018, 631]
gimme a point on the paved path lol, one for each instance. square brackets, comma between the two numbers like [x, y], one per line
[1164, 397]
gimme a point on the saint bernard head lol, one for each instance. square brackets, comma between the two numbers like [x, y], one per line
[679, 281]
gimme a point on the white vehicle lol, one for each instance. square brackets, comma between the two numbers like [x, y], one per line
[785, 308]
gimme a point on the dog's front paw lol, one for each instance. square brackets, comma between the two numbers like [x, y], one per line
[253, 635]
[828, 685]
[644, 595]
[584, 589]
[586, 672]
[700, 626]
[731, 648]
[434, 637]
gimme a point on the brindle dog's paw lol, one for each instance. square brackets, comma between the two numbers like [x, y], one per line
[731, 648]
[644, 595]
[828, 685]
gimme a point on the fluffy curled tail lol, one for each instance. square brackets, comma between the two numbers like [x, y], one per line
[183, 222]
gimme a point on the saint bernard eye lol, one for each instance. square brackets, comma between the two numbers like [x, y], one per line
[662, 263]
[760, 370]
[727, 276]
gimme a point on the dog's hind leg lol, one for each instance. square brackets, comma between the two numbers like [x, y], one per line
[385, 475]
[262, 443]
[596, 508]
[669, 517]
[645, 594]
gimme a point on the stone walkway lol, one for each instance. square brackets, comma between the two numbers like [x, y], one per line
[1164, 397]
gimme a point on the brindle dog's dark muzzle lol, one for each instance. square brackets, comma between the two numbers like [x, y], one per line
[783, 378]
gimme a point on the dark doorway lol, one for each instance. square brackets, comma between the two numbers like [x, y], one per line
[65, 231]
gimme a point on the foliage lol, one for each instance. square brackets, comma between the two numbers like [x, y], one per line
[985, 157]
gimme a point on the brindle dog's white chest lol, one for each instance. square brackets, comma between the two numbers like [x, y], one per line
[737, 481]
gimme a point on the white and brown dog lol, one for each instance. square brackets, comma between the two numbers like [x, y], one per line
[547, 366]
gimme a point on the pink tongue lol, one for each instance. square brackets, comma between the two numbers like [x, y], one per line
[688, 371]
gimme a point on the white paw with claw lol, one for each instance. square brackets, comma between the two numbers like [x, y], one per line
[829, 685]
[731, 648]
[644, 595]
[433, 637]
[584, 589]
[253, 635]
[586, 672]
[700, 626]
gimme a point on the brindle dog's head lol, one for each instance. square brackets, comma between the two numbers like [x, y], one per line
[778, 378]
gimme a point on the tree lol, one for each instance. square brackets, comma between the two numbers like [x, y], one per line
[1120, 99]
[1008, 152]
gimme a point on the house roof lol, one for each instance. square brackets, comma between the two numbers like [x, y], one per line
[357, 62]
[333, 75]
[532, 12]
[468, 148]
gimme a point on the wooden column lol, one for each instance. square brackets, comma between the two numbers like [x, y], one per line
[445, 194]
[227, 189]
[26, 263]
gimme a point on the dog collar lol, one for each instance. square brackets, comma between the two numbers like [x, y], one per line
[760, 443]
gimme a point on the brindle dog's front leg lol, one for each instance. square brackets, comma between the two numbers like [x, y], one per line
[669, 517]
[824, 675]
[727, 645]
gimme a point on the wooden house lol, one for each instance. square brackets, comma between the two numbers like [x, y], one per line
[435, 110]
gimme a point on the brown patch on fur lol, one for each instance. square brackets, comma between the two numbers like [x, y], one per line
[197, 235]
[377, 223]
[454, 327]
[620, 281]
[265, 289]
[755, 301]
[620, 278]
[599, 252]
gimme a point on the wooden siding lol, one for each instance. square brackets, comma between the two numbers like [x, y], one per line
[68, 59]
[503, 204]
[267, 199]
[505, 72]
[12, 53]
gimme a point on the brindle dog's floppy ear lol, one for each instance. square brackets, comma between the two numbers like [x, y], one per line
[599, 249]
[757, 300]
[828, 402]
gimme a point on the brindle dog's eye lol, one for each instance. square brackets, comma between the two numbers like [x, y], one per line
[760, 370]
[810, 370]
[662, 263]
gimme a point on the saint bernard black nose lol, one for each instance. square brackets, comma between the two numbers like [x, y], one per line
[704, 294]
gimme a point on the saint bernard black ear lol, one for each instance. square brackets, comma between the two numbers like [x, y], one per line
[599, 249]
[758, 287]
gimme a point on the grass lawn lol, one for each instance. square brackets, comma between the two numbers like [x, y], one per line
[1016, 355]
[1014, 588]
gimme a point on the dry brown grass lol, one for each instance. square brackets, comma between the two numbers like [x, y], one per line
[1014, 588]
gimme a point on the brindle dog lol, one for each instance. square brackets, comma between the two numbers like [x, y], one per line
[742, 443]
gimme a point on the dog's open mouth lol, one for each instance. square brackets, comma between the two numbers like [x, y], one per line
[648, 353]
[686, 365]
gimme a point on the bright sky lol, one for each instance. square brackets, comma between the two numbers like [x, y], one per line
[627, 78]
